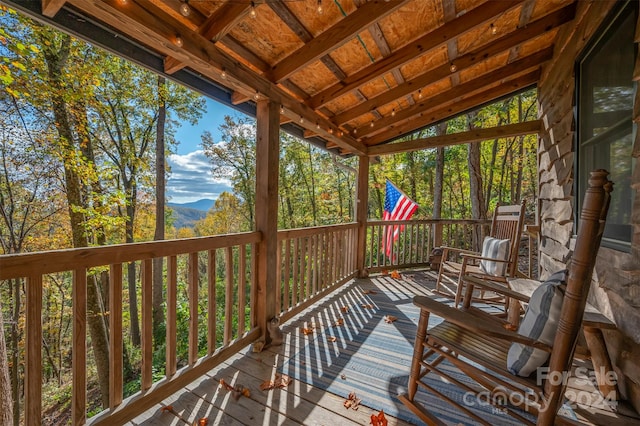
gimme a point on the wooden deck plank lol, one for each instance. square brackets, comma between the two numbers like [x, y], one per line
[300, 402]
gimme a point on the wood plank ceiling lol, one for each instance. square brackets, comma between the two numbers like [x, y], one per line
[358, 73]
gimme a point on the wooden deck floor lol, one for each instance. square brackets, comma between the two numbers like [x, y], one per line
[315, 404]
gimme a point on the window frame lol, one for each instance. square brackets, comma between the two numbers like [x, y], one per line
[623, 127]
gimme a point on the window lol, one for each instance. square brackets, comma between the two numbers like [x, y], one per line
[604, 119]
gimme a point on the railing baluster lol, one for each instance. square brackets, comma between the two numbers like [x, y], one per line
[33, 351]
[287, 272]
[193, 279]
[242, 282]
[147, 324]
[253, 290]
[79, 350]
[211, 301]
[228, 302]
[115, 335]
[296, 265]
[172, 318]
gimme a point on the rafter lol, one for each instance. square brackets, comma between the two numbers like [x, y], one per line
[450, 96]
[51, 7]
[504, 43]
[149, 24]
[213, 28]
[428, 118]
[475, 135]
[334, 37]
[423, 45]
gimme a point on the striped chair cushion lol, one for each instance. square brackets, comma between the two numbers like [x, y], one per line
[495, 249]
[540, 323]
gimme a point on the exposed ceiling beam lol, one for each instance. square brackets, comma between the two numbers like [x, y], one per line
[213, 28]
[525, 17]
[471, 86]
[438, 114]
[475, 135]
[143, 21]
[506, 42]
[51, 7]
[483, 13]
[449, 9]
[284, 13]
[339, 34]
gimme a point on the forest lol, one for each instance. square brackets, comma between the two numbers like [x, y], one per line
[84, 137]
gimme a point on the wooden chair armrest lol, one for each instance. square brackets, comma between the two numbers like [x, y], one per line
[476, 257]
[495, 286]
[446, 249]
[475, 323]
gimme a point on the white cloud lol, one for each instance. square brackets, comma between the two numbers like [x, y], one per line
[191, 180]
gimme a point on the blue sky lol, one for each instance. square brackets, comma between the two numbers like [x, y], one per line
[190, 178]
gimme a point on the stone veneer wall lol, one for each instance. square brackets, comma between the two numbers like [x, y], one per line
[616, 286]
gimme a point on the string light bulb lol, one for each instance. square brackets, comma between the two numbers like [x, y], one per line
[124, 2]
[494, 29]
[319, 8]
[256, 95]
[253, 10]
[330, 130]
[393, 112]
[355, 131]
[185, 10]
[371, 124]
[453, 67]
[301, 119]
[179, 41]
[317, 125]
[223, 73]
[281, 109]
[419, 93]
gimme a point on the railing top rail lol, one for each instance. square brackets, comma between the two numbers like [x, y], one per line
[45, 262]
[376, 222]
[305, 232]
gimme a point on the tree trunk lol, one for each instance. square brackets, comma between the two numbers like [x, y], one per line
[6, 409]
[475, 186]
[158, 313]
[441, 129]
[56, 62]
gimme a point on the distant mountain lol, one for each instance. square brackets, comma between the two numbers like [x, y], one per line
[187, 214]
[204, 205]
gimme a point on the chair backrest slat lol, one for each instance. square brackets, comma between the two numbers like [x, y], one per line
[507, 224]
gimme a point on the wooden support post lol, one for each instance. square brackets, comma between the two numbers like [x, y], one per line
[267, 157]
[362, 201]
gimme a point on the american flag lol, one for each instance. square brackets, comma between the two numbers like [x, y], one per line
[397, 206]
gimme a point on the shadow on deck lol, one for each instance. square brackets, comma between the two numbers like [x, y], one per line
[358, 339]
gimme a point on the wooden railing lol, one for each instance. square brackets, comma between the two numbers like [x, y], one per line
[313, 261]
[194, 266]
[214, 277]
[416, 239]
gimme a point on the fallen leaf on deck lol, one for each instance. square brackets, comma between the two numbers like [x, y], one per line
[343, 377]
[379, 420]
[203, 422]
[511, 327]
[339, 322]
[226, 385]
[307, 331]
[345, 309]
[352, 401]
[367, 306]
[395, 275]
[168, 408]
[389, 319]
[281, 381]
[332, 338]
[369, 292]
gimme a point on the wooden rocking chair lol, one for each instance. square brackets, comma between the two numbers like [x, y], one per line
[507, 224]
[477, 344]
